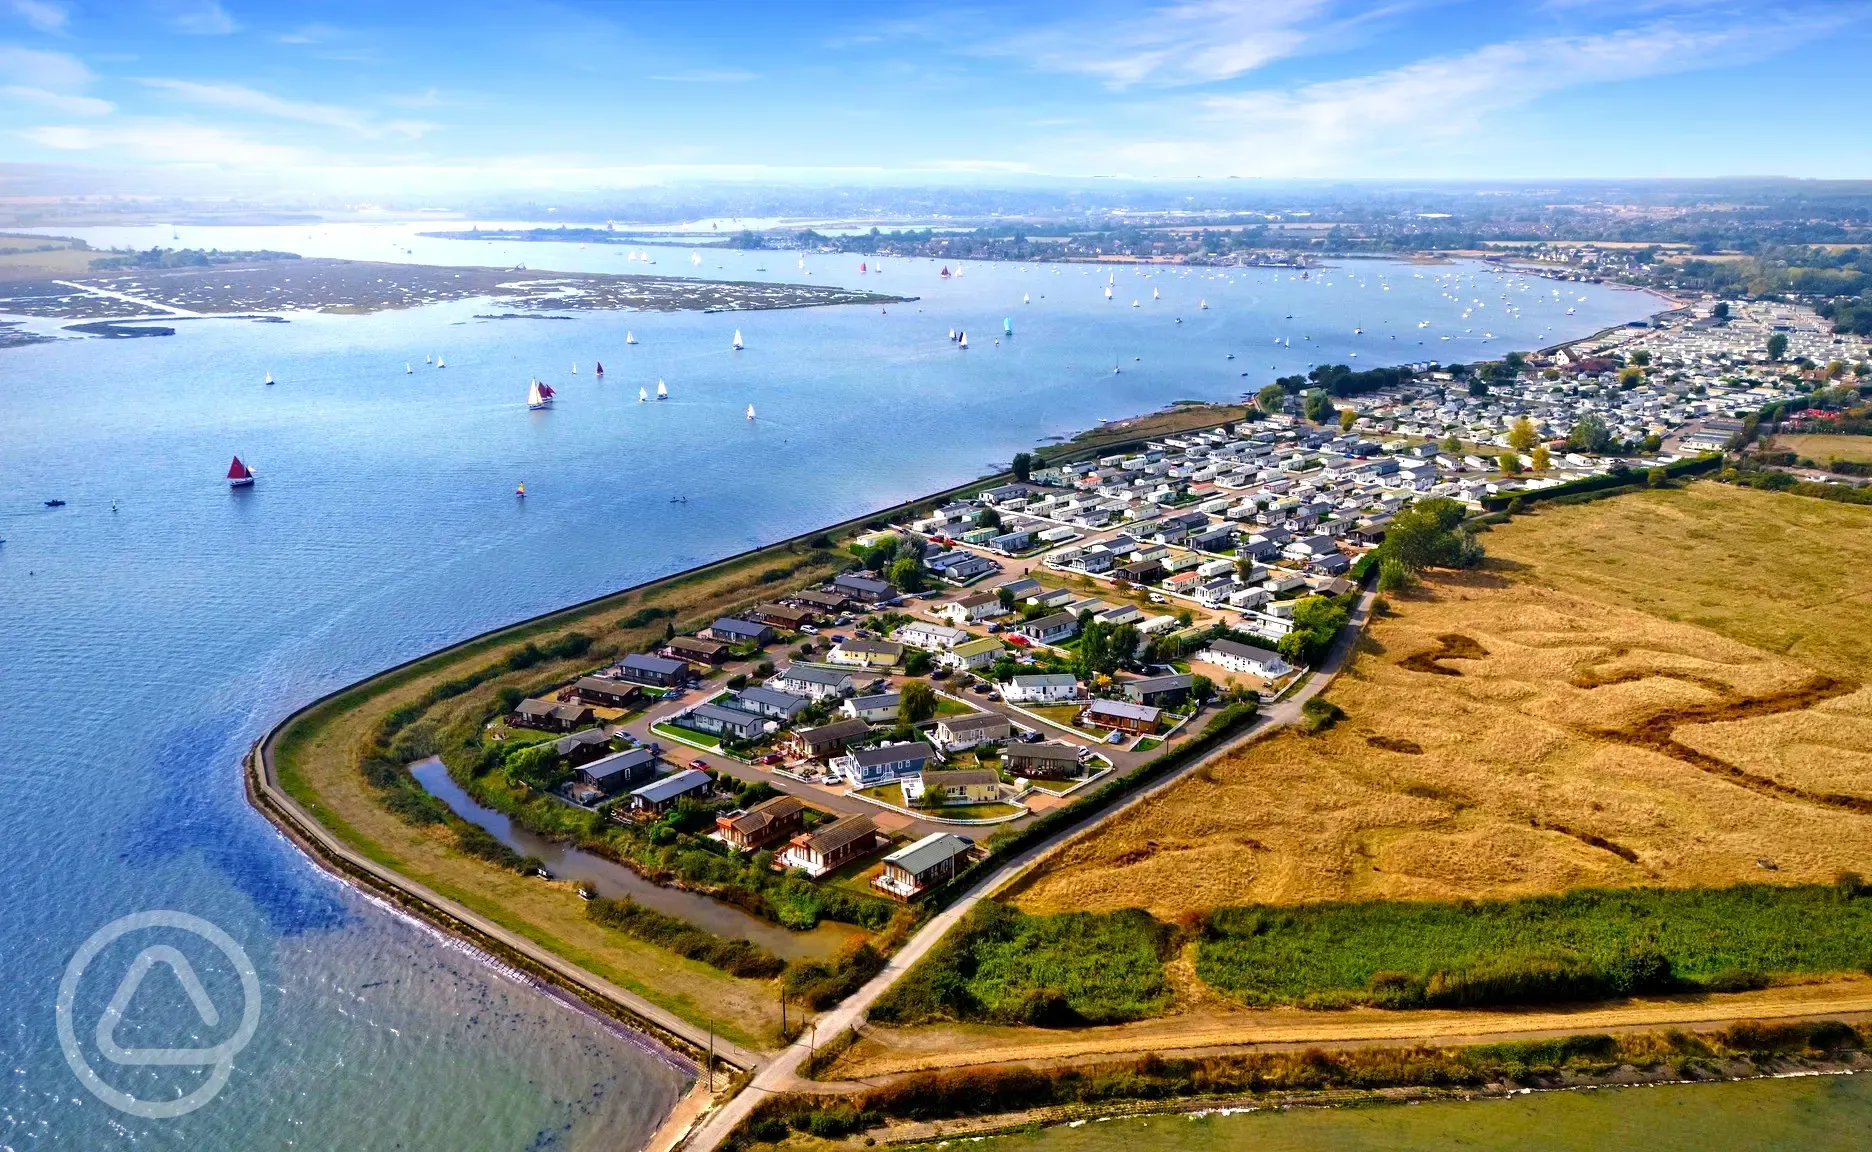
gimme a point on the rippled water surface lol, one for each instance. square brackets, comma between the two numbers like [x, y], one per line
[143, 649]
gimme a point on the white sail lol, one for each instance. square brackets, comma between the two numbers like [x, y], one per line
[695, 259]
[407, 368]
[575, 367]
[534, 398]
[439, 363]
[269, 377]
[737, 340]
[1203, 305]
[965, 339]
[662, 392]
[1108, 289]
[1024, 299]
[629, 338]
[1154, 295]
[750, 411]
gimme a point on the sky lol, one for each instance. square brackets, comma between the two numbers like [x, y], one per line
[418, 97]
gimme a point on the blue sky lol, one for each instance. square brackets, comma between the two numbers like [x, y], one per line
[417, 96]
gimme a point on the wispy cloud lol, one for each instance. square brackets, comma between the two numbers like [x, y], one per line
[41, 14]
[167, 142]
[1181, 43]
[708, 76]
[240, 98]
[32, 68]
[200, 18]
[58, 101]
[1402, 116]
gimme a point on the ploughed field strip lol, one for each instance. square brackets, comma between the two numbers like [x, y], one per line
[366, 286]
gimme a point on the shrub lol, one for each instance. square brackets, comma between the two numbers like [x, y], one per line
[735, 957]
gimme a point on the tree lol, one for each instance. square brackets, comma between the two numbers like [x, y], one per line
[1630, 377]
[1522, 436]
[1201, 688]
[1478, 386]
[1023, 465]
[1347, 418]
[1590, 434]
[1450, 444]
[1651, 443]
[1006, 598]
[1543, 459]
[1721, 311]
[1509, 462]
[1244, 568]
[906, 574]
[1429, 534]
[1316, 621]
[1777, 345]
[1318, 406]
[916, 701]
[1656, 478]
[1271, 399]
[917, 662]
[1642, 358]
[988, 518]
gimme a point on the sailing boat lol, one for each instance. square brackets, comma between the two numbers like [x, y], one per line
[239, 475]
[1108, 289]
[1007, 326]
[575, 367]
[439, 363]
[737, 340]
[1203, 305]
[269, 378]
[629, 339]
[1134, 303]
[750, 411]
[539, 395]
[1024, 299]
[598, 368]
[962, 341]
[520, 490]
[643, 397]
[695, 259]
[1154, 295]
[861, 267]
[427, 359]
[945, 272]
[662, 392]
[407, 369]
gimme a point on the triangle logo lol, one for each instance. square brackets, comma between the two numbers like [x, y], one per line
[184, 972]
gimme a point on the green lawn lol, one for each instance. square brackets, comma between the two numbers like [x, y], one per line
[1002, 965]
[1585, 945]
[891, 793]
[948, 707]
[689, 735]
[1149, 743]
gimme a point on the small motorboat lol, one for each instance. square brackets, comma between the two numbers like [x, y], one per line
[55, 503]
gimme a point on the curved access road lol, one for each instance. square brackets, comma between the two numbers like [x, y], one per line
[781, 1073]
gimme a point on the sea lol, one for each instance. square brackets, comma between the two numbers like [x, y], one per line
[155, 624]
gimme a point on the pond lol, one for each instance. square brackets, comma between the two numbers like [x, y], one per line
[615, 881]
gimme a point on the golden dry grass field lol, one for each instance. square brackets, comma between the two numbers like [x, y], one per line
[1662, 688]
[1827, 448]
[21, 258]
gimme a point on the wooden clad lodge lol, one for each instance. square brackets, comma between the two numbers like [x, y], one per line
[1121, 716]
[827, 739]
[1045, 761]
[548, 716]
[846, 839]
[780, 818]
[912, 870]
[788, 616]
[697, 650]
[600, 692]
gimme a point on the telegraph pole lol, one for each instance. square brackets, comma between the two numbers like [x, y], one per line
[711, 1053]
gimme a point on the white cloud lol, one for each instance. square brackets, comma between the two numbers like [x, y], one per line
[1186, 42]
[1405, 118]
[31, 68]
[58, 101]
[240, 98]
[41, 14]
[167, 142]
[201, 18]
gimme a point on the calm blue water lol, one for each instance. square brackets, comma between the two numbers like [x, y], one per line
[142, 650]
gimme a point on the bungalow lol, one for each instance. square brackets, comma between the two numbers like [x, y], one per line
[1159, 691]
[653, 670]
[878, 709]
[971, 609]
[660, 796]
[582, 747]
[912, 870]
[696, 650]
[550, 717]
[1141, 571]
[812, 681]
[1050, 629]
[774, 819]
[618, 771]
[959, 786]
[1041, 688]
[1047, 761]
[1122, 716]
[730, 722]
[1246, 658]
[788, 616]
[1010, 543]
[827, 739]
[961, 567]
[957, 732]
[605, 693]
[820, 602]
[866, 653]
[931, 637]
[972, 655]
[731, 630]
[1019, 588]
[1052, 599]
[867, 589]
[869, 766]
[816, 853]
[769, 702]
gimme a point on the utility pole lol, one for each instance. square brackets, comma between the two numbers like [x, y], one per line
[783, 1013]
[711, 1053]
[812, 1045]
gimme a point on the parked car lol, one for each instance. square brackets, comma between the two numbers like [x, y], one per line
[994, 626]
[809, 630]
[698, 762]
[981, 689]
[837, 638]
[1158, 598]
[1029, 736]
[771, 758]
[1115, 738]
[940, 674]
